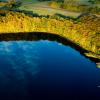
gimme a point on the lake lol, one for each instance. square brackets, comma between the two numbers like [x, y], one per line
[48, 70]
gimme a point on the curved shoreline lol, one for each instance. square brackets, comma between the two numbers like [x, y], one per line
[36, 36]
[84, 31]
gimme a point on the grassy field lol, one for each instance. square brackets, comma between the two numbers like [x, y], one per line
[42, 8]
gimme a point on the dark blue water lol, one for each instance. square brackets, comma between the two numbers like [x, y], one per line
[44, 70]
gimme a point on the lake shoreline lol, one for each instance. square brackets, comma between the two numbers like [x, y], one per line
[36, 36]
[83, 31]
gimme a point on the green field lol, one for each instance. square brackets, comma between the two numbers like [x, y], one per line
[42, 8]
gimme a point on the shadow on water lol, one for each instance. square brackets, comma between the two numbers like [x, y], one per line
[36, 36]
[50, 82]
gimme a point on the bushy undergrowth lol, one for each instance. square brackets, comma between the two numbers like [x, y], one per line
[76, 6]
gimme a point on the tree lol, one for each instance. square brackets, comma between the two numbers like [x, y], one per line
[13, 4]
[94, 1]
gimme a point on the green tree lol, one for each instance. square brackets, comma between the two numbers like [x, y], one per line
[13, 4]
[94, 1]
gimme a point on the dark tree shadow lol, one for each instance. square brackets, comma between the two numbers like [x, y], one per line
[36, 36]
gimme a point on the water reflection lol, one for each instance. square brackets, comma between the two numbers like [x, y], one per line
[45, 69]
[35, 36]
[17, 66]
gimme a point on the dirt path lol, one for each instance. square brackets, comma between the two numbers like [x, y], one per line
[43, 6]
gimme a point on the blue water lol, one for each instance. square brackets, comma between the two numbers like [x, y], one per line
[46, 70]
